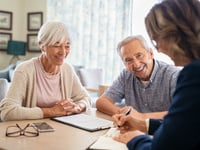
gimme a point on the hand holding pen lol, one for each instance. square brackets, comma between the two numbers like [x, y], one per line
[128, 111]
[126, 122]
[117, 118]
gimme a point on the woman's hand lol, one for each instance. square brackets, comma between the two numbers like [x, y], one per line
[129, 123]
[126, 137]
[63, 107]
[134, 112]
[69, 106]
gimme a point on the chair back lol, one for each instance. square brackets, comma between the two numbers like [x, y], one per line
[91, 77]
[102, 89]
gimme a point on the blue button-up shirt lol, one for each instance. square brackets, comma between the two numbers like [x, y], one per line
[153, 96]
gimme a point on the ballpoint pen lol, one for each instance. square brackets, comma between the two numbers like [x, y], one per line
[126, 114]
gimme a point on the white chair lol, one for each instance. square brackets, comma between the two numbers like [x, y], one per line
[91, 79]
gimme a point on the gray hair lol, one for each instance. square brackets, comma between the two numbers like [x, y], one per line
[130, 39]
[52, 32]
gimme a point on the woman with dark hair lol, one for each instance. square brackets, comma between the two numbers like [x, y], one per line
[174, 28]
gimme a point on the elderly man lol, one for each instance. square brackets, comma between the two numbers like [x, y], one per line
[146, 85]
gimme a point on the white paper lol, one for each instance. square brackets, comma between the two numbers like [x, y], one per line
[107, 142]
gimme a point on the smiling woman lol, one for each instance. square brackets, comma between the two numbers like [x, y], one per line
[49, 87]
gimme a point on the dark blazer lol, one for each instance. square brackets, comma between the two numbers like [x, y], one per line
[180, 129]
[153, 125]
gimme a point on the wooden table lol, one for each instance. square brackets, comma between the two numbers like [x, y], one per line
[64, 137]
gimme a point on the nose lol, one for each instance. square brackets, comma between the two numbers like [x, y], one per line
[135, 64]
[64, 50]
[132, 65]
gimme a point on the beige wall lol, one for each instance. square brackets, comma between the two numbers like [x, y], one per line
[20, 8]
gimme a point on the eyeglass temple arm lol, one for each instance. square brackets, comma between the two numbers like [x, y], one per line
[24, 127]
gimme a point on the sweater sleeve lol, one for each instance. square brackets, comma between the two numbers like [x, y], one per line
[72, 87]
[20, 101]
[142, 141]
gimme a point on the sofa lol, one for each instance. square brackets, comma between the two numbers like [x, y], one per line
[7, 73]
[3, 88]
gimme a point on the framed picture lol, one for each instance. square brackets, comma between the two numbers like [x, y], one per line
[35, 20]
[5, 20]
[32, 43]
[4, 38]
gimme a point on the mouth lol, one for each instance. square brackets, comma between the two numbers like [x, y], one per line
[60, 58]
[139, 69]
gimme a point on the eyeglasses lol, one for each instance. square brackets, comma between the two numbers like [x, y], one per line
[15, 131]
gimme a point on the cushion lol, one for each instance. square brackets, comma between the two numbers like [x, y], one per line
[3, 88]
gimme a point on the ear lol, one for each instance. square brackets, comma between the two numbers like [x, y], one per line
[41, 47]
[151, 53]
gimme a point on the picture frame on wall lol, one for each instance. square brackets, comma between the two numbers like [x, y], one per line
[32, 43]
[35, 20]
[5, 20]
[4, 38]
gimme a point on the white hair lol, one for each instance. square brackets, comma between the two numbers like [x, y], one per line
[130, 39]
[52, 32]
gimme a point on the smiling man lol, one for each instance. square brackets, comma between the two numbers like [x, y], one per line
[146, 85]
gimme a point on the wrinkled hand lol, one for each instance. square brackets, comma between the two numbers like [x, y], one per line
[62, 108]
[68, 107]
[126, 137]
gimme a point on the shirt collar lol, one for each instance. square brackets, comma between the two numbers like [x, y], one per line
[155, 69]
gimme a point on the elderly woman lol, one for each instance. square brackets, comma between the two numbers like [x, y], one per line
[45, 86]
[174, 26]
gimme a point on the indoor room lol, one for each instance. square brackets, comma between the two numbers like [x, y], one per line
[99, 74]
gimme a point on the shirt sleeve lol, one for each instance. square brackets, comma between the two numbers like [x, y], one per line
[116, 90]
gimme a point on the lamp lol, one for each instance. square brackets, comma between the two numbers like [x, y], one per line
[16, 48]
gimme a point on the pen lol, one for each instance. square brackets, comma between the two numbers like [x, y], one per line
[128, 112]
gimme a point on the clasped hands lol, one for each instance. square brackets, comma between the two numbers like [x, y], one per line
[130, 126]
[63, 107]
[67, 107]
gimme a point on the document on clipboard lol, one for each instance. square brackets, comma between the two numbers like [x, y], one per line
[85, 122]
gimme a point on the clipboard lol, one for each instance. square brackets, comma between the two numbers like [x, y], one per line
[85, 122]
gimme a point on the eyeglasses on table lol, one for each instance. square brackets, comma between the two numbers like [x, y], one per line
[28, 130]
